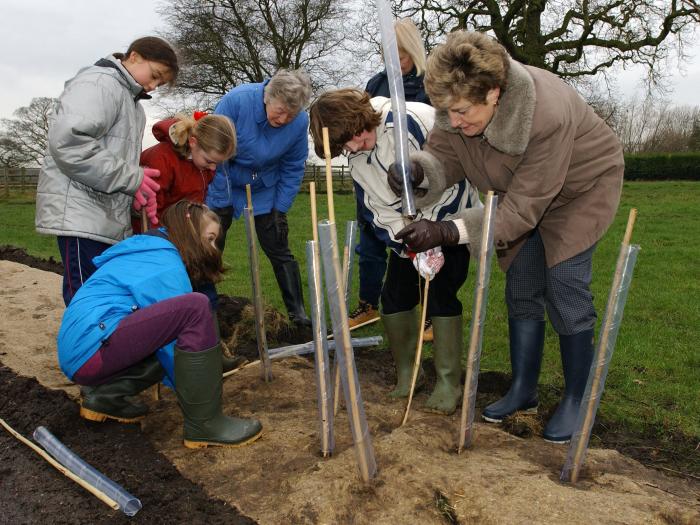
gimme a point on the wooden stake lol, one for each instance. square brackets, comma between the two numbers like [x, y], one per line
[366, 464]
[144, 220]
[236, 370]
[329, 175]
[336, 375]
[314, 216]
[597, 383]
[474, 352]
[62, 469]
[419, 349]
[266, 368]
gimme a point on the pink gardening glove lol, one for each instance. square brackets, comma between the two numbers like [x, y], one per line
[429, 262]
[146, 194]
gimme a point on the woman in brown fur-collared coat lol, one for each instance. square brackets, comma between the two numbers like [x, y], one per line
[557, 169]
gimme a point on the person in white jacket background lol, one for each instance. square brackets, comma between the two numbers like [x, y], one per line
[362, 128]
[91, 175]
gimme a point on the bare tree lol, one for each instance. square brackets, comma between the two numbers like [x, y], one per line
[572, 38]
[23, 138]
[651, 126]
[224, 43]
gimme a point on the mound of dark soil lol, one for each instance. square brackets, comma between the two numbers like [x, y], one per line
[31, 491]
[20, 255]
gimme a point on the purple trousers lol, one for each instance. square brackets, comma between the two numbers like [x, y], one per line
[185, 319]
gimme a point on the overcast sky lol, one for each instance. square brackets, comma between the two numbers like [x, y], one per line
[45, 42]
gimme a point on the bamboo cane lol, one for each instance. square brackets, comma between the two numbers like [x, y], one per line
[476, 331]
[314, 215]
[351, 385]
[419, 349]
[266, 369]
[144, 220]
[347, 266]
[336, 374]
[329, 175]
[331, 218]
[332, 272]
[597, 382]
[63, 470]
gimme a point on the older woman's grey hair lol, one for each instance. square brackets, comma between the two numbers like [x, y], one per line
[290, 87]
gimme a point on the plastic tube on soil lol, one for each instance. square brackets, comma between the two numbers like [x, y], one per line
[309, 347]
[128, 503]
[320, 346]
[346, 359]
[266, 369]
[350, 234]
[599, 368]
[390, 51]
[476, 330]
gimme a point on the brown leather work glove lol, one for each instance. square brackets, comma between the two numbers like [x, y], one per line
[395, 178]
[422, 235]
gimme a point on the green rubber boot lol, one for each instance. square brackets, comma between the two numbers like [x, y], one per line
[402, 331]
[109, 401]
[447, 355]
[198, 389]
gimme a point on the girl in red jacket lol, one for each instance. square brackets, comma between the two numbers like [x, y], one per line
[189, 149]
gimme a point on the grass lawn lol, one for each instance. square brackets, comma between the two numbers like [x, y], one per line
[654, 377]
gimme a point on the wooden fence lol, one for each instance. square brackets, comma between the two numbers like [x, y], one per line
[23, 180]
[18, 180]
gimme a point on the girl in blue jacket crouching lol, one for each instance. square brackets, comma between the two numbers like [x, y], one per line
[136, 320]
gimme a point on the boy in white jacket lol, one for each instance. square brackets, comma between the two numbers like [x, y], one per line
[362, 129]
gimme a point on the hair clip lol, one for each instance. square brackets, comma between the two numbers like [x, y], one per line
[199, 114]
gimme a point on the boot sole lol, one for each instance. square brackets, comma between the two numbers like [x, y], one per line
[204, 444]
[558, 442]
[532, 410]
[101, 417]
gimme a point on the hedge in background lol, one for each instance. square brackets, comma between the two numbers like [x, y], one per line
[663, 166]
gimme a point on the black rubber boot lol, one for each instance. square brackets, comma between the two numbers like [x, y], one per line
[526, 346]
[109, 401]
[289, 281]
[576, 358]
[198, 389]
[447, 355]
[402, 332]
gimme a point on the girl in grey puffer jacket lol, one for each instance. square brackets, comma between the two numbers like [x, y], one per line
[91, 170]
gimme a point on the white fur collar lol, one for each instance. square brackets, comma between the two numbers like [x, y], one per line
[509, 129]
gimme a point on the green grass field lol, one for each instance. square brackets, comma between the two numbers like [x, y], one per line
[654, 378]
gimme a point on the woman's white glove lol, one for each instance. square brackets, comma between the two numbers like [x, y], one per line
[428, 263]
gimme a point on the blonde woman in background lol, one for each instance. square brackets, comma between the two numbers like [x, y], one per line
[371, 250]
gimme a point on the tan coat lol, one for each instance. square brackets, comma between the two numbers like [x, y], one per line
[552, 161]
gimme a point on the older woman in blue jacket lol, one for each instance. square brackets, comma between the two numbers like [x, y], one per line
[271, 129]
